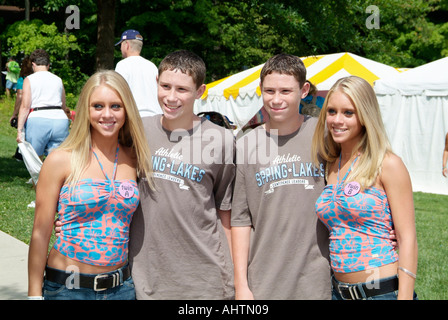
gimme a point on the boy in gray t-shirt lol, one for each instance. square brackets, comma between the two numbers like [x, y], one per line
[280, 248]
[180, 234]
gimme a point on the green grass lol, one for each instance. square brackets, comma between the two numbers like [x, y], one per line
[432, 236]
[15, 194]
[431, 215]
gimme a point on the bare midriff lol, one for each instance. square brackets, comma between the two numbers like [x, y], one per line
[369, 275]
[56, 260]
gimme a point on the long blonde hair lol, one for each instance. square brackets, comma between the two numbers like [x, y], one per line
[373, 145]
[131, 134]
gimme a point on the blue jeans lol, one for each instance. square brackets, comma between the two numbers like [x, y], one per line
[11, 85]
[46, 134]
[56, 291]
[393, 295]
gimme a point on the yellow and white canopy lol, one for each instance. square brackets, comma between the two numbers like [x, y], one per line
[239, 96]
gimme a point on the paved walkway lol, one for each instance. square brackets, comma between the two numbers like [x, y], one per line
[13, 268]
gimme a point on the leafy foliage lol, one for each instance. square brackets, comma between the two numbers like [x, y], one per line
[234, 35]
[407, 37]
[23, 37]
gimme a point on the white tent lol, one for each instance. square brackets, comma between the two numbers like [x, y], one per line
[239, 96]
[414, 107]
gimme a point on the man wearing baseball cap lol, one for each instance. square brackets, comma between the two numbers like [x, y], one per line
[140, 73]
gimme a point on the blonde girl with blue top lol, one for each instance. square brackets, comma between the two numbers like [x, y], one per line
[91, 182]
[368, 194]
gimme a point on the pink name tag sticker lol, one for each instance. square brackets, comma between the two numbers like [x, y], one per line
[352, 188]
[126, 190]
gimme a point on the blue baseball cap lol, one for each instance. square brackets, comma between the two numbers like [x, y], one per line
[130, 35]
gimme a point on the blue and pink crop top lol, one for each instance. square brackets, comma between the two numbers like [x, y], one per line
[359, 223]
[96, 218]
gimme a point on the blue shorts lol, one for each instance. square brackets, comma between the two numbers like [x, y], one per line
[46, 134]
[11, 85]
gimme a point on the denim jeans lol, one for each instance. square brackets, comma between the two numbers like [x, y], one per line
[56, 291]
[393, 295]
[46, 134]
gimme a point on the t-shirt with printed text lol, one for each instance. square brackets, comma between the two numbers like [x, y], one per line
[276, 188]
[178, 249]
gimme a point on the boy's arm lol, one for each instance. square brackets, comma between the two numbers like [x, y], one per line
[241, 228]
[240, 253]
[224, 215]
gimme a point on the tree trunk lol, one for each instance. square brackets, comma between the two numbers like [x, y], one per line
[27, 10]
[105, 36]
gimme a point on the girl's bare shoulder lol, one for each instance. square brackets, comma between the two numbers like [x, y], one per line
[58, 161]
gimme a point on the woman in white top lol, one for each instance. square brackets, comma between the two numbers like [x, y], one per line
[42, 120]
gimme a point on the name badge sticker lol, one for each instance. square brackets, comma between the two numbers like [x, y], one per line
[126, 190]
[352, 188]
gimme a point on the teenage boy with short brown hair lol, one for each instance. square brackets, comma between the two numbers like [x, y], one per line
[180, 235]
[280, 248]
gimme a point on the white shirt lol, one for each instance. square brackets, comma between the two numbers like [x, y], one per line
[141, 75]
[46, 90]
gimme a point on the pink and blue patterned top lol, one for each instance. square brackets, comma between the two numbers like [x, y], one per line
[359, 226]
[96, 219]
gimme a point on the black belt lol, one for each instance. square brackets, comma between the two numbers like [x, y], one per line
[97, 282]
[45, 108]
[352, 291]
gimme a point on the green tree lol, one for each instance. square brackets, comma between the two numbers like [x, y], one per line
[406, 37]
[233, 35]
[23, 37]
[105, 35]
[238, 34]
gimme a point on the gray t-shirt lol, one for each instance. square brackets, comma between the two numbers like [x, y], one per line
[288, 256]
[178, 249]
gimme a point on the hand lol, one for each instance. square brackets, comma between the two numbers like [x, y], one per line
[244, 294]
[20, 136]
[57, 228]
[393, 238]
[445, 172]
[68, 113]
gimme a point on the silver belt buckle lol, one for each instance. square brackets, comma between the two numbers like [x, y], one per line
[353, 290]
[115, 282]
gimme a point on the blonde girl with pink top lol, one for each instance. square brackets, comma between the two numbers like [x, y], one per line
[368, 194]
[91, 181]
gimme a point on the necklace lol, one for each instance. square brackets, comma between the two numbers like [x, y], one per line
[125, 189]
[352, 188]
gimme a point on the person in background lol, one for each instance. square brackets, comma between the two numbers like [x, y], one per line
[25, 70]
[140, 73]
[279, 247]
[91, 181]
[12, 75]
[312, 103]
[368, 194]
[445, 157]
[43, 116]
